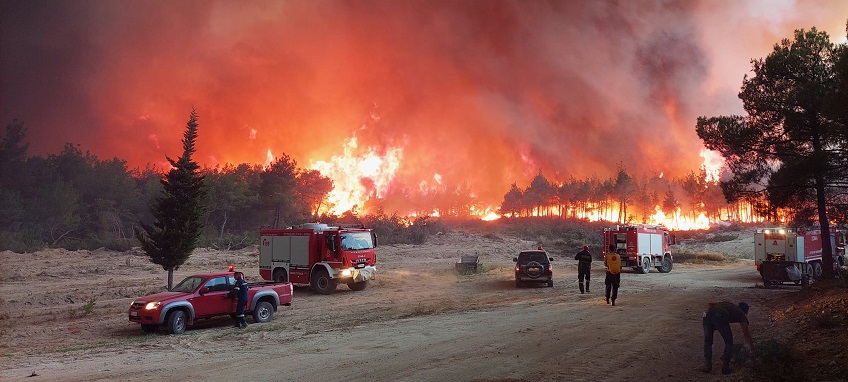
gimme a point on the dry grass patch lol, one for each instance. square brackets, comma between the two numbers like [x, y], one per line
[701, 257]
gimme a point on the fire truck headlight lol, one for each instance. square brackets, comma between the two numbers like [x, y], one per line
[152, 305]
[345, 273]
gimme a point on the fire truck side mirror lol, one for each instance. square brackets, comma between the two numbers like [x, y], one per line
[374, 238]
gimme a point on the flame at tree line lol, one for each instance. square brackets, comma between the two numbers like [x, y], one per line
[473, 96]
[365, 183]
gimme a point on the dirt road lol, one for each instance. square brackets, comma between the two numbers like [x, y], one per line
[418, 321]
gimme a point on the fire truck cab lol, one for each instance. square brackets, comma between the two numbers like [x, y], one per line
[318, 255]
[641, 246]
[794, 255]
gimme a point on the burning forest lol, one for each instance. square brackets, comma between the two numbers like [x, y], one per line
[455, 109]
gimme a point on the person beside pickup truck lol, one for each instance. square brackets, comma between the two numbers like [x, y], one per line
[240, 292]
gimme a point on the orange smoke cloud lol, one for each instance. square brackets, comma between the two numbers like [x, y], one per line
[481, 93]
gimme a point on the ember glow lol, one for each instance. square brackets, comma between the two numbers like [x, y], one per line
[459, 97]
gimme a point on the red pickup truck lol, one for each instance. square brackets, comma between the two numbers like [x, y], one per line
[204, 296]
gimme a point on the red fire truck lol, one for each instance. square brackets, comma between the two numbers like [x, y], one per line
[794, 255]
[641, 246]
[318, 255]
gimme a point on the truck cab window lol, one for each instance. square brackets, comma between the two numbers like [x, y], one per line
[357, 240]
[188, 284]
[218, 284]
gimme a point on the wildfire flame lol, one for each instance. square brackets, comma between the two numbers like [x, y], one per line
[358, 175]
[362, 173]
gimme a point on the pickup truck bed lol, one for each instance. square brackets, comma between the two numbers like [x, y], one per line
[205, 296]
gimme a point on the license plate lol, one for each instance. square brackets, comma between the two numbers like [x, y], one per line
[134, 314]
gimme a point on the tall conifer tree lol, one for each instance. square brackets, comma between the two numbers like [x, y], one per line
[178, 213]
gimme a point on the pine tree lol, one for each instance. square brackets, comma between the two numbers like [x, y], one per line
[178, 213]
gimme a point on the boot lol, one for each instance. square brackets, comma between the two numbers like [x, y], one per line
[581, 288]
[587, 287]
[613, 302]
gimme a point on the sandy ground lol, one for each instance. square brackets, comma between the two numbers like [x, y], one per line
[63, 317]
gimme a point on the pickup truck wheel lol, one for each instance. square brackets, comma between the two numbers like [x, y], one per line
[322, 283]
[357, 286]
[666, 265]
[149, 328]
[264, 312]
[177, 322]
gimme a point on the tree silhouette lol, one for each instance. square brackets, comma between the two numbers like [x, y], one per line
[787, 148]
[178, 213]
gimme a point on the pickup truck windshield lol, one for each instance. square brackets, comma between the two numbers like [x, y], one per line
[357, 240]
[188, 284]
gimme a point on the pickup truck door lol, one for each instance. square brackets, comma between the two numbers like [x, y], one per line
[216, 300]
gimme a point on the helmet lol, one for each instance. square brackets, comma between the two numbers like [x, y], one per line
[585, 247]
[744, 306]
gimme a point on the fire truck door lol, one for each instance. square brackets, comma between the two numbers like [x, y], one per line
[798, 254]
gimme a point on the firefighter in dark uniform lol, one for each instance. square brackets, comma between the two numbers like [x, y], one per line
[718, 317]
[584, 267]
[240, 292]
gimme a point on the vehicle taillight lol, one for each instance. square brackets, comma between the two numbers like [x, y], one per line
[518, 268]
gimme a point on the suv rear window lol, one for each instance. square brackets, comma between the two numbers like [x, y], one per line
[526, 257]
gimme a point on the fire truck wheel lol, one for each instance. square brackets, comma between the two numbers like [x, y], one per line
[666, 265]
[264, 312]
[177, 322]
[357, 286]
[646, 265]
[817, 270]
[280, 275]
[322, 283]
[149, 328]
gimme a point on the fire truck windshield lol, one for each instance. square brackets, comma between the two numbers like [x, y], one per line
[356, 240]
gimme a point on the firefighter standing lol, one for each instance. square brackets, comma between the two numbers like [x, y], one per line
[584, 267]
[718, 317]
[240, 292]
[613, 279]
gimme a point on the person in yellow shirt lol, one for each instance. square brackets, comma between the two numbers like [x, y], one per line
[613, 280]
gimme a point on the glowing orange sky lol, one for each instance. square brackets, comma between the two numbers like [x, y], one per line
[482, 92]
